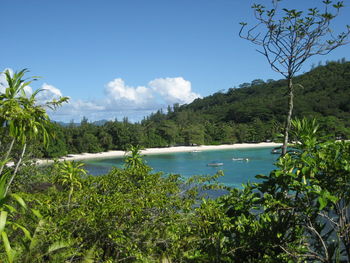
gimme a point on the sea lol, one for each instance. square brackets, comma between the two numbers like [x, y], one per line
[239, 166]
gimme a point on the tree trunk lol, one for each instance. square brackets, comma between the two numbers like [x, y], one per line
[70, 196]
[7, 155]
[16, 169]
[344, 223]
[289, 116]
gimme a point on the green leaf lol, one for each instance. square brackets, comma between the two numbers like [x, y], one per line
[37, 213]
[10, 208]
[3, 218]
[89, 256]
[19, 200]
[25, 231]
[57, 246]
[304, 180]
[322, 201]
[330, 197]
[3, 185]
[10, 253]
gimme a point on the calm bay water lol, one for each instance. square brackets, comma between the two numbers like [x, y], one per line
[260, 161]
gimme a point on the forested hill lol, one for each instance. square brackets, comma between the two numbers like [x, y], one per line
[324, 91]
[253, 112]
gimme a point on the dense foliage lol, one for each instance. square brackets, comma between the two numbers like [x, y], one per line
[254, 112]
[297, 213]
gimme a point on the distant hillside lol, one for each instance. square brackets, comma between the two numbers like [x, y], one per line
[324, 91]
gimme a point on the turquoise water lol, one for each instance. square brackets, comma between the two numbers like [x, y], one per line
[261, 161]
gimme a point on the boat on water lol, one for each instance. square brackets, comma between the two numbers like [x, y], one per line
[215, 164]
[240, 159]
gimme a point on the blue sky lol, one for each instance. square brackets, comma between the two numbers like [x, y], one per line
[117, 58]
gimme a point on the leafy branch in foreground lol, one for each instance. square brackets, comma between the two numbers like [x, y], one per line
[21, 118]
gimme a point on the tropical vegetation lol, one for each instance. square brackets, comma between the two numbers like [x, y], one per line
[59, 213]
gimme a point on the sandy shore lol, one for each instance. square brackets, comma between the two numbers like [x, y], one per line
[111, 154]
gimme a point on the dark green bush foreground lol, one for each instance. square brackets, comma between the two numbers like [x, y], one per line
[297, 213]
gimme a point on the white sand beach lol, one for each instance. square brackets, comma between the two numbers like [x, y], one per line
[176, 149]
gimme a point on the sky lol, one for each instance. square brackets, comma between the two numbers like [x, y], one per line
[129, 58]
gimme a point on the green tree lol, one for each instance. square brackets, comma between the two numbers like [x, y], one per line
[193, 134]
[58, 145]
[290, 37]
[169, 131]
[105, 139]
[21, 117]
[69, 174]
[133, 159]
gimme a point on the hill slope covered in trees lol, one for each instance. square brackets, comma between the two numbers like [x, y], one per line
[324, 91]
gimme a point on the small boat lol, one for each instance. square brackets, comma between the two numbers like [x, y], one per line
[240, 159]
[214, 164]
[196, 151]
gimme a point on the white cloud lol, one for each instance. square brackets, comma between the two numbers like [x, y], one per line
[77, 109]
[117, 92]
[86, 105]
[3, 82]
[48, 92]
[174, 90]
[120, 100]
[28, 90]
[134, 102]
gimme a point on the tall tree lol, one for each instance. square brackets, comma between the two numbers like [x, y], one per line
[288, 37]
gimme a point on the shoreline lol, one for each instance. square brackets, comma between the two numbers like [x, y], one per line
[149, 151]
